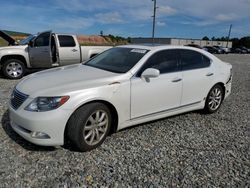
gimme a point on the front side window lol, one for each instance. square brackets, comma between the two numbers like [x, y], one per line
[66, 41]
[193, 60]
[165, 61]
[42, 40]
[26, 40]
[118, 60]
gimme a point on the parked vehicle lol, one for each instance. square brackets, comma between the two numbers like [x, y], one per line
[121, 87]
[247, 50]
[238, 51]
[227, 49]
[212, 50]
[44, 51]
[220, 49]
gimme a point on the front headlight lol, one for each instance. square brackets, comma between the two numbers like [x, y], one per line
[42, 104]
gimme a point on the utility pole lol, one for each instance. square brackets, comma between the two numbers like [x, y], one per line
[153, 32]
[229, 33]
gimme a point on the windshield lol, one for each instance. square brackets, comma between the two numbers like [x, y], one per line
[26, 40]
[118, 60]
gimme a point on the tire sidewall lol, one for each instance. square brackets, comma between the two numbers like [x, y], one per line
[81, 116]
[7, 62]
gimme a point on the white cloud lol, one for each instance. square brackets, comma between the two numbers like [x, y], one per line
[109, 18]
[73, 23]
[161, 23]
[166, 10]
[226, 17]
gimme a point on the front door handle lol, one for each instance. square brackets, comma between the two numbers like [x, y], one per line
[176, 80]
[74, 50]
[210, 74]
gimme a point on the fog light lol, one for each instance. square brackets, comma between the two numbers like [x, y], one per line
[39, 135]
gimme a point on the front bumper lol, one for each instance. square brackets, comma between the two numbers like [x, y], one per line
[51, 124]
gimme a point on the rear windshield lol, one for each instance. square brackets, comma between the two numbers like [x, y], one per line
[118, 60]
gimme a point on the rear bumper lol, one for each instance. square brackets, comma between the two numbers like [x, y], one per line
[228, 87]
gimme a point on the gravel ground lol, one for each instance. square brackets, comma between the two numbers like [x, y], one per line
[190, 150]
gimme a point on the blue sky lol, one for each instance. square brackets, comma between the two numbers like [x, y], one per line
[175, 18]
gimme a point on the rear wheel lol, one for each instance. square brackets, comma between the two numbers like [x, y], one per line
[214, 99]
[88, 126]
[13, 69]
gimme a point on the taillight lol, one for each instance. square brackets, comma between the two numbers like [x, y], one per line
[230, 76]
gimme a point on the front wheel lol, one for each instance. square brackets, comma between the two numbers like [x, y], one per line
[88, 126]
[13, 69]
[214, 99]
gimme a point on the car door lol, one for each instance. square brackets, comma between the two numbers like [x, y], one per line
[157, 94]
[197, 74]
[40, 51]
[69, 50]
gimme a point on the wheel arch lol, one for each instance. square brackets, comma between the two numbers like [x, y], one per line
[19, 57]
[223, 87]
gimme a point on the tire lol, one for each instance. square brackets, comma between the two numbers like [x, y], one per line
[13, 69]
[85, 124]
[214, 99]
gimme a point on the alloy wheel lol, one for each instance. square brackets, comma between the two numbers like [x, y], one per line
[96, 127]
[215, 99]
[14, 69]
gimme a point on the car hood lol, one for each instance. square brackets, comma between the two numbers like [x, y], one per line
[7, 37]
[21, 47]
[59, 81]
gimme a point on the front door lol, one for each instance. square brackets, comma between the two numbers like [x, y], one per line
[161, 93]
[40, 51]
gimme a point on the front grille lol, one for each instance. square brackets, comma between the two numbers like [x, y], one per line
[17, 99]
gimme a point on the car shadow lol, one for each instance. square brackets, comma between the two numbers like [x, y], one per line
[5, 121]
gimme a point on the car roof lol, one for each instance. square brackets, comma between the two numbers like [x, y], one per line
[157, 46]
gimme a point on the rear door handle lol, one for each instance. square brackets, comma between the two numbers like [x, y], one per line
[74, 50]
[176, 80]
[210, 74]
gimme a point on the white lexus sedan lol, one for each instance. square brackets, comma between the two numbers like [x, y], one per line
[121, 87]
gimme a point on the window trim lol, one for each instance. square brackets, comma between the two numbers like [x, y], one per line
[58, 36]
[50, 34]
[180, 60]
[146, 61]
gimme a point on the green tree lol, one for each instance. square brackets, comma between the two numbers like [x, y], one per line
[205, 38]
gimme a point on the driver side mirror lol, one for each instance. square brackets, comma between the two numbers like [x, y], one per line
[150, 73]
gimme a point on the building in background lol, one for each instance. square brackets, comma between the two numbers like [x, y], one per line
[181, 41]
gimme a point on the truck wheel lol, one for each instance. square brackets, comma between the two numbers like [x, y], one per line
[88, 127]
[13, 68]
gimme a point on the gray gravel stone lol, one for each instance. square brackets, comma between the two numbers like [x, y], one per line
[189, 150]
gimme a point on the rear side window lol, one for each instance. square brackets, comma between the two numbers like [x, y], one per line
[66, 41]
[165, 61]
[193, 60]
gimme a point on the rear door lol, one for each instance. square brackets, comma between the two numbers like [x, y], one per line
[69, 50]
[40, 52]
[197, 74]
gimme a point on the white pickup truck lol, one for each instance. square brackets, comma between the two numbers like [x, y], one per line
[44, 50]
